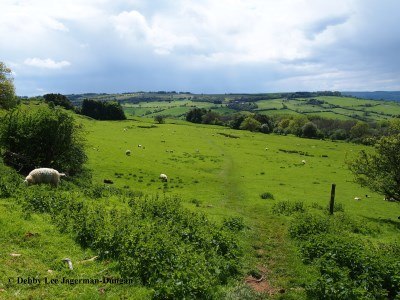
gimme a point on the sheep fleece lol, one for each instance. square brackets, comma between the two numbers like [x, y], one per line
[44, 175]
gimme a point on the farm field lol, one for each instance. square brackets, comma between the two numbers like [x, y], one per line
[215, 171]
[175, 105]
[240, 167]
[225, 176]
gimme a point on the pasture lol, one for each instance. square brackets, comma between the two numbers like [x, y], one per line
[225, 171]
[216, 171]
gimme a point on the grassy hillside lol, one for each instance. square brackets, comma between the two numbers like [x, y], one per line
[213, 170]
[223, 172]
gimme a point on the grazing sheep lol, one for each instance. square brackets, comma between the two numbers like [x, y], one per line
[128, 152]
[303, 161]
[44, 175]
[69, 262]
[163, 177]
[357, 198]
[139, 146]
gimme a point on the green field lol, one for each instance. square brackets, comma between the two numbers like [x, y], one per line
[343, 108]
[214, 170]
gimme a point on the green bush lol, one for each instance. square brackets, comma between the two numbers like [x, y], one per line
[288, 208]
[156, 242]
[267, 195]
[10, 182]
[41, 137]
[234, 223]
[306, 225]
[350, 269]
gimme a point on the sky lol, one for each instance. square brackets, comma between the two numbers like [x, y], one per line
[200, 46]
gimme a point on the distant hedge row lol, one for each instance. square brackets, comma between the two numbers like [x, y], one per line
[102, 110]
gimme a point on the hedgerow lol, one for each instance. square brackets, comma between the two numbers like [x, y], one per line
[350, 266]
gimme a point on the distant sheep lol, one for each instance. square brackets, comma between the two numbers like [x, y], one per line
[44, 175]
[139, 146]
[357, 198]
[128, 152]
[303, 161]
[163, 177]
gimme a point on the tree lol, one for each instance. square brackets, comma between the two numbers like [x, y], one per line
[58, 99]
[249, 123]
[309, 130]
[101, 110]
[195, 115]
[7, 90]
[380, 171]
[42, 137]
[210, 117]
[359, 130]
[159, 119]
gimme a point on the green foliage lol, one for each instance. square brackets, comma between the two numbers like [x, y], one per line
[288, 207]
[380, 171]
[309, 130]
[10, 182]
[156, 242]
[42, 137]
[306, 225]
[195, 115]
[58, 99]
[234, 223]
[251, 124]
[267, 195]
[102, 110]
[7, 89]
[159, 119]
[349, 267]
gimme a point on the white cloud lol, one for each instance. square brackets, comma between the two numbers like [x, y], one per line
[46, 63]
[234, 44]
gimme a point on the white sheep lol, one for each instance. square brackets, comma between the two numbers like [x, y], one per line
[357, 198]
[303, 161]
[128, 152]
[44, 175]
[163, 177]
[139, 146]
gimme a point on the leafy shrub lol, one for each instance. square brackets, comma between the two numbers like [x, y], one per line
[158, 243]
[288, 208]
[10, 182]
[196, 202]
[234, 223]
[102, 110]
[350, 269]
[306, 225]
[267, 195]
[41, 137]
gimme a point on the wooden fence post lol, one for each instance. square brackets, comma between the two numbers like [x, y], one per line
[332, 202]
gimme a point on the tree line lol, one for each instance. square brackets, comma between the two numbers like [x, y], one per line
[311, 126]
